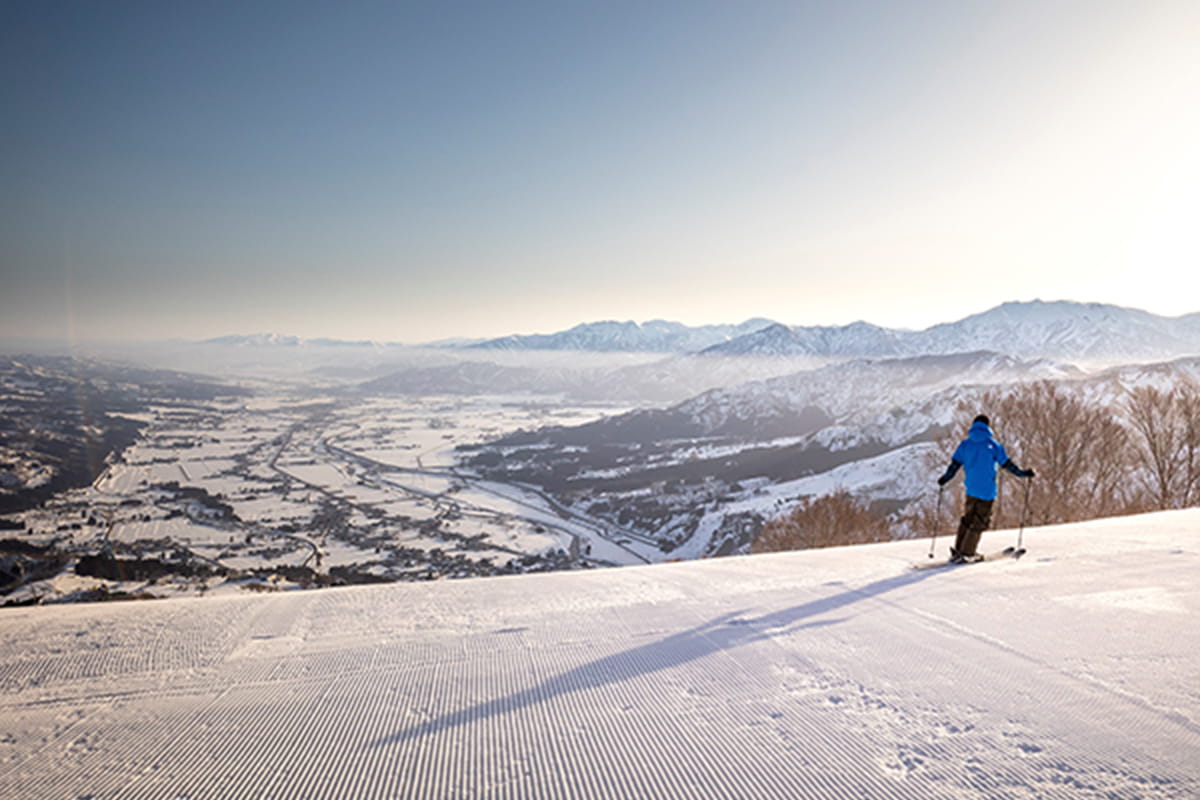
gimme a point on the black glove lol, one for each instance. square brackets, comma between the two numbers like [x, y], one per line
[942, 481]
[1028, 473]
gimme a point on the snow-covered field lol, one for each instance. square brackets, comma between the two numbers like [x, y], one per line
[366, 485]
[1072, 673]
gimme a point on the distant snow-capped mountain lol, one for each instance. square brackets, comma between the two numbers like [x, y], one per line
[1056, 330]
[656, 336]
[1068, 330]
[1062, 330]
[855, 339]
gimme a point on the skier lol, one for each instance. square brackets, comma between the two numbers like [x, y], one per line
[979, 453]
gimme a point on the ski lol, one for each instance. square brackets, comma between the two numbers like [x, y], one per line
[1008, 552]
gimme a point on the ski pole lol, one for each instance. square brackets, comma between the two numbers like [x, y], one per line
[937, 522]
[1024, 514]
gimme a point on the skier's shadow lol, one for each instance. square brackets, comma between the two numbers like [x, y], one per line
[722, 633]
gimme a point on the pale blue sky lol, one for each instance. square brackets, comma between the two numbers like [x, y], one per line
[406, 172]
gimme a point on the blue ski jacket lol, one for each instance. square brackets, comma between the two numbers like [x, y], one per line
[980, 454]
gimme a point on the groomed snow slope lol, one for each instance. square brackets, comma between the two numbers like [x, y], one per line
[1072, 673]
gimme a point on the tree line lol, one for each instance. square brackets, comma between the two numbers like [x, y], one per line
[1093, 459]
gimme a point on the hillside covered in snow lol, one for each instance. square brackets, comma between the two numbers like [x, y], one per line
[1071, 673]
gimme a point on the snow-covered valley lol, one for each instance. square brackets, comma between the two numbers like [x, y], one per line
[280, 491]
[321, 463]
[1070, 673]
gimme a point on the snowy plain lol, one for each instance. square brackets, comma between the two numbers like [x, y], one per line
[1071, 673]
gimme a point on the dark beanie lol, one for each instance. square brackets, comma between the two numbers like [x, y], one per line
[982, 418]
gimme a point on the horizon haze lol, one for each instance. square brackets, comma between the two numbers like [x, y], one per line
[366, 171]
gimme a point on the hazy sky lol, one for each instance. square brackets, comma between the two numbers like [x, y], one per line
[411, 171]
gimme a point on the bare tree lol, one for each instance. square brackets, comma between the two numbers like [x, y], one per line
[1077, 448]
[825, 521]
[1151, 413]
[1086, 454]
[1189, 409]
[1166, 434]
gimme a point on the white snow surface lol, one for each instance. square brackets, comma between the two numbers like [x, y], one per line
[1071, 673]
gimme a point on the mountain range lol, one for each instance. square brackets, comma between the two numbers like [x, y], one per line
[1064, 330]
[656, 336]
[1037, 329]
[1058, 330]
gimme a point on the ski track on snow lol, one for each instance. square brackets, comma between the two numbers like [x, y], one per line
[828, 674]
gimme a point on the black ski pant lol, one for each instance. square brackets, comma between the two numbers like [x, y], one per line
[976, 518]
